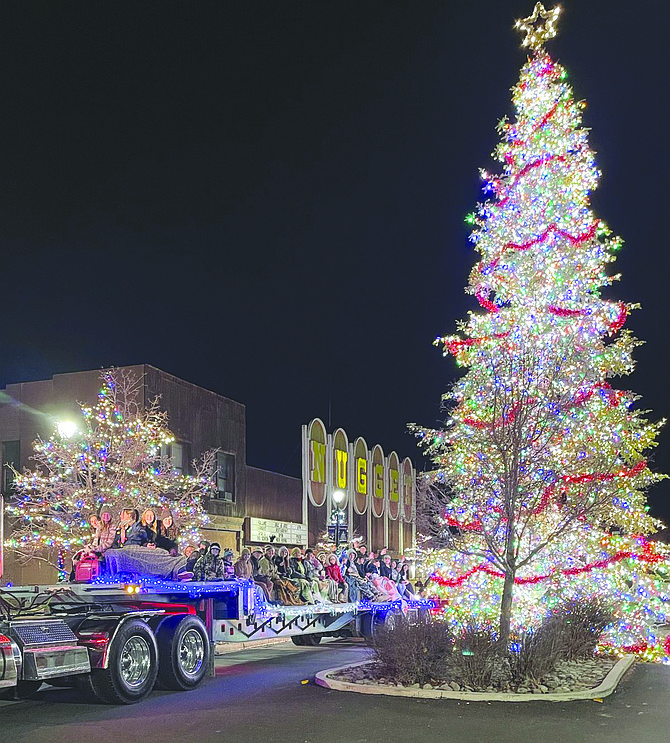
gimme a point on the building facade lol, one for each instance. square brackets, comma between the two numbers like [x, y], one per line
[199, 419]
[250, 505]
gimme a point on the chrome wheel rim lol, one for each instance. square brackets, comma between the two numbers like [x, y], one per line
[191, 652]
[135, 661]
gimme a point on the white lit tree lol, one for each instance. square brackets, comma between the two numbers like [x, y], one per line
[114, 458]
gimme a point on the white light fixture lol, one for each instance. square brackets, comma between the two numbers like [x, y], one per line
[338, 497]
[67, 429]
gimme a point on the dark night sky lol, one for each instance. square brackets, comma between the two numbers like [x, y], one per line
[261, 196]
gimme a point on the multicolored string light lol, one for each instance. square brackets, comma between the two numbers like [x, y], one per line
[543, 459]
[117, 458]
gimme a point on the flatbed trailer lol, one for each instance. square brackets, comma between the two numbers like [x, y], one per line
[116, 641]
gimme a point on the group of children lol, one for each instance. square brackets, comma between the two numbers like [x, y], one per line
[303, 577]
[293, 578]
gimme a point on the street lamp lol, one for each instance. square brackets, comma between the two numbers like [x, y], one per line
[338, 499]
[67, 429]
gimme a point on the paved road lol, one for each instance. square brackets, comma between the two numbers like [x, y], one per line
[257, 697]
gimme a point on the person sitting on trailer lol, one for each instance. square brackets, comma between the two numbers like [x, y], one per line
[104, 536]
[243, 567]
[192, 556]
[166, 532]
[309, 589]
[404, 582]
[210, 566]
[365, 588]
[335, 576]
[314, 571]
[385, 569]
[351, 576]
[228, 562]
[286, 591]
[387, 590]
[150, 524]
[130, 532]
[260, 578]
[370, 566]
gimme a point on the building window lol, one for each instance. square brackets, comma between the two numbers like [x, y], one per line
[177, 454]
[11, 456]
[225, 476]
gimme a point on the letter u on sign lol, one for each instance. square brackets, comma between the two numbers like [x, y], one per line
[341, 458]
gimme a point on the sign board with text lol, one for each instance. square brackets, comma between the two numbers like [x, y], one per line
[367, 483]
[276, 532]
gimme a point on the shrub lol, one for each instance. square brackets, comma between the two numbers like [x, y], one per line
[580, 623]
[477, 656]
[536, 653]
[413, 652]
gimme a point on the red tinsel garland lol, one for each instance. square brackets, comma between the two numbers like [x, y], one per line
[647, 555]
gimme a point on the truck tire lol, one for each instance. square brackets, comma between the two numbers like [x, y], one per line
[132, 666]
[306, 640]
[371, 622]
[183, 653]
[22, 690]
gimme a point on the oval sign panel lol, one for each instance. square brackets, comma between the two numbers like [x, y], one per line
[407, 488]
[393, 485]
[341, 465]
[361, 476]
[316, 441]
[378, 484]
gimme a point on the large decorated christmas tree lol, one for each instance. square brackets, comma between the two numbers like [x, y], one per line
[542, 457]
[119, 457]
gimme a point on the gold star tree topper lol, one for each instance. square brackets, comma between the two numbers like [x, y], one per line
[540, 26]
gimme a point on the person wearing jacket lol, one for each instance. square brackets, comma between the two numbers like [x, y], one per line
[261, 579]
[166, 532]
[315, 573]
[105, 533]
[130, 532]
[150, 525]
[210, 566]
[243, 567]
[309, 590]
[192, 556]
[404, 581]
[285, 590]
[229, 567]
[385, 569]
[335, 576]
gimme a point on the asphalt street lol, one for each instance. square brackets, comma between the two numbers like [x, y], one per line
[258, 697]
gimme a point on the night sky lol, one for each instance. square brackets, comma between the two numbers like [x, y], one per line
[268, 198]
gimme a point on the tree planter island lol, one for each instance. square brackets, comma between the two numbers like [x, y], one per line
[579, 680]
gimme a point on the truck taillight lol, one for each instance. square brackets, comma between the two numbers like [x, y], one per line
[97, 639]
[4, 640]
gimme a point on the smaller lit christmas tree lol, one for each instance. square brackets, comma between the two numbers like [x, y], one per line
[114, 459]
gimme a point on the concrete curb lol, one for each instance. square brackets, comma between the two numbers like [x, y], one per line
[604, 689]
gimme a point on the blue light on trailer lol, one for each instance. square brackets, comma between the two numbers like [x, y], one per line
[261, 608]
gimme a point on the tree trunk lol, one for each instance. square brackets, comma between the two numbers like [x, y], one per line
[506, 610]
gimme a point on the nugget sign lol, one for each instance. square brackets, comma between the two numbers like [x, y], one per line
[363, 476]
